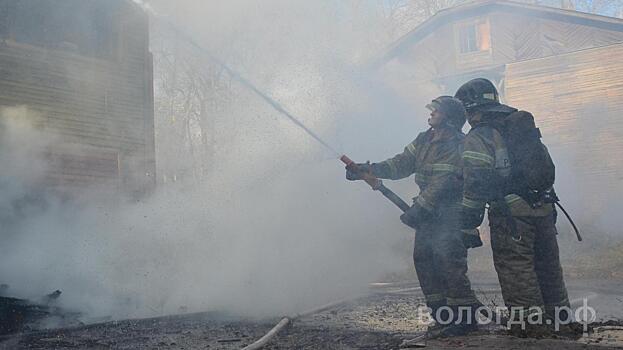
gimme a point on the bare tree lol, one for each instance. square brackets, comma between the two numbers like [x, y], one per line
[404, 15]
[190, 93]
[603, 7]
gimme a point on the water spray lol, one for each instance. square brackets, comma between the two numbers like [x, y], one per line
[375, 183]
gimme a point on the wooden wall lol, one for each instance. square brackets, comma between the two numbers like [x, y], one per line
[515, 36]
[577, 99]
[100, 110]
[518, 37]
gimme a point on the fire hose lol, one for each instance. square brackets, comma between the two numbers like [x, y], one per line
[284, 322]
[287, 321]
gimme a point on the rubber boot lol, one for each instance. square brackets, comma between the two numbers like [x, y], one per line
[540, 330]
[439, 312]
[460, 325]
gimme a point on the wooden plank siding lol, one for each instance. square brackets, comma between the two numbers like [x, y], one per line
[514, 36]
[577, 99]
[76, 168]
[519, 38]
[100, 106]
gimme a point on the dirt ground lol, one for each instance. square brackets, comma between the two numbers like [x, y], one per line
[381, 320]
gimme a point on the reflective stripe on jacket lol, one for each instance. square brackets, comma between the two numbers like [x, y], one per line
[435, 159]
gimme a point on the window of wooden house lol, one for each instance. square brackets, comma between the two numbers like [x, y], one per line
[474, 37]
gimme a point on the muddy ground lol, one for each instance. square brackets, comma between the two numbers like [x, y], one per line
[381, 320]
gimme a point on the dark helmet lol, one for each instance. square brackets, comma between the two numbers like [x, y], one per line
[451, 108]
[478, 93]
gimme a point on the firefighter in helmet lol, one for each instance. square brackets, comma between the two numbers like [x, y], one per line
[440, 251]
[522, 222]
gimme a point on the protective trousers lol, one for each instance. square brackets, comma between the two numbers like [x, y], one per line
[440, 259]
[529, 270]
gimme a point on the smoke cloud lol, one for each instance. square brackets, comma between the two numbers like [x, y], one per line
[272, 228]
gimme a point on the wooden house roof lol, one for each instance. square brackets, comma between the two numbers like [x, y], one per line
[482, 7]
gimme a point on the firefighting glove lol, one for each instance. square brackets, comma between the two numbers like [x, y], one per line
[415, 215]
[362, 168]
[471, 218]
[471, 238]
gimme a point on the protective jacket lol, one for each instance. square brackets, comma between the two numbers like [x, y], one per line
[439, 253]
[529, 269]
[487, 171]
[435, 159]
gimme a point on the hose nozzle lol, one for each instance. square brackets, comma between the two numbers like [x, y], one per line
[370, 179]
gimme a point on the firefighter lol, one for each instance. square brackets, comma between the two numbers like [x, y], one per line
[523, 231]
[439, 254]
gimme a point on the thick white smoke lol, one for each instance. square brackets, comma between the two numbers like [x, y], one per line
[274, 228]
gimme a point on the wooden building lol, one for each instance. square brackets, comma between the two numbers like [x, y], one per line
[83, 70]
[564, 66]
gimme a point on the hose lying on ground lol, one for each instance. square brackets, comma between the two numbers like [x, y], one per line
[287, 320]
[268, 336]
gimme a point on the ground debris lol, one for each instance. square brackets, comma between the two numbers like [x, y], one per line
[417, 342]
[233, 340]
[377, 322]
[18, 315]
